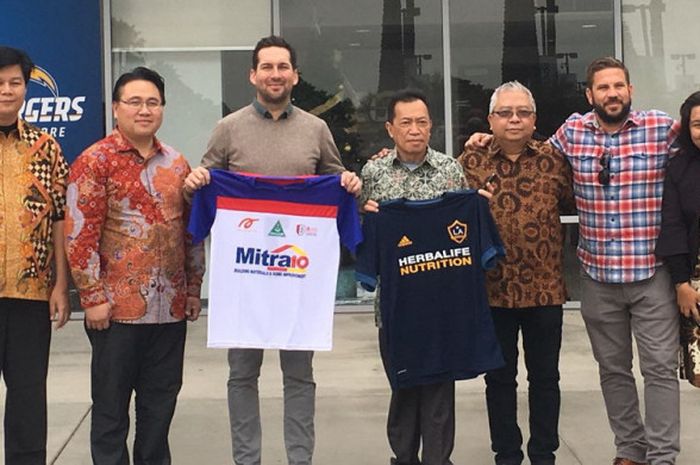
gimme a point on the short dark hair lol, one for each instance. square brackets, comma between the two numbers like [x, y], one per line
[600, 64]
[404, 95]
[274, 41]
[140, 73]
[13, 56]
[684, 139]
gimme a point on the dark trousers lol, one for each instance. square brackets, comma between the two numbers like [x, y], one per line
[421, 414]
[145, 359]
[25, 335]
[541, 330]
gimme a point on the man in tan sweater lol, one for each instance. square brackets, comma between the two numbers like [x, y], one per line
[272, 137]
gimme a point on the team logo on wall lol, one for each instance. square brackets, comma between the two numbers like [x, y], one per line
[457, 231]
[46, 106]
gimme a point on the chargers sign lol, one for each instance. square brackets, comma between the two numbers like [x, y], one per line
[64, 94]
[54, 108]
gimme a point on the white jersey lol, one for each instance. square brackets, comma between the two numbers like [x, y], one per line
[274, 258]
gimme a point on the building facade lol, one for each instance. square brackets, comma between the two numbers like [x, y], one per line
[352, 55]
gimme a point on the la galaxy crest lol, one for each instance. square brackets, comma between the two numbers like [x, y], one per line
[457, 231]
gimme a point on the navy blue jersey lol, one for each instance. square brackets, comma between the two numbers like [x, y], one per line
[430, 257]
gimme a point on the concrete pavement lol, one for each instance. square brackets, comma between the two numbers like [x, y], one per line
[352, 400]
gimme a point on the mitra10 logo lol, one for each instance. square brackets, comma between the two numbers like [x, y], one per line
[288, 260]
[47, 107]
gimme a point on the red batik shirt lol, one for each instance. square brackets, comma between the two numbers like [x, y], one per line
[126, 231]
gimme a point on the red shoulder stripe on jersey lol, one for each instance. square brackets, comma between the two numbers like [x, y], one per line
[276, 206]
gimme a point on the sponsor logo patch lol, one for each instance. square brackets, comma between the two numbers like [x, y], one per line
[277, 230]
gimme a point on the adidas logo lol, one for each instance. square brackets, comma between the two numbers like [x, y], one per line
[404, 242]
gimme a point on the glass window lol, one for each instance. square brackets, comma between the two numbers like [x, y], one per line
[660, 49]
[204, 60]
[544, 44]
[193, 95]
[202, 49]
[183, 23]
[353, 56]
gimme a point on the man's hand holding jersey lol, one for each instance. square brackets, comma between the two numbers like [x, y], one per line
[200, 177]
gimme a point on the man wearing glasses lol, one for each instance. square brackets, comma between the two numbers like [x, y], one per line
[532, 186]
[618, 157]
[136, 270]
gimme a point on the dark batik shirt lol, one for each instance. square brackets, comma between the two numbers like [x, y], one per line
[530, 193]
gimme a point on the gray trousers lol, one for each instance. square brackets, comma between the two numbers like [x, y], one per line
[244, 405]
[646, 309]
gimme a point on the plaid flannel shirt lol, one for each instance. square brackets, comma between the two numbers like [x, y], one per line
[618, 222]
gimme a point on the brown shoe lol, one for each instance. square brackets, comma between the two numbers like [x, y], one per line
[621, 461]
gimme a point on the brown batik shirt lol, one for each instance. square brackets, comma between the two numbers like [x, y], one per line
[529, 195]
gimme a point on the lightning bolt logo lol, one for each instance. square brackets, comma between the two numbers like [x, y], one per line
[43, 78]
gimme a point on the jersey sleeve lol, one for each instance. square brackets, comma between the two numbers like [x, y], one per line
[348, 222]
[367, 265]
[203, 210]
[489, 240]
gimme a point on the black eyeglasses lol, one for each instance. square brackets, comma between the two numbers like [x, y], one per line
[604, 173]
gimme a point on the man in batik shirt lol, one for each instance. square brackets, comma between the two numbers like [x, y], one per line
[421, 415]
[32, 202]
[532, 185]
[138, 275]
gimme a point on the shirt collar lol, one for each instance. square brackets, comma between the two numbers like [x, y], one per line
[123, 145]
[27, 133]
[494, 149]
[9, 128]
[590, 120]
[23, 131]
[267, 115]
[393, 157]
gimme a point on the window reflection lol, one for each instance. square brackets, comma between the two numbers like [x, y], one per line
[545, 44]
[352, 58]
[660, 49]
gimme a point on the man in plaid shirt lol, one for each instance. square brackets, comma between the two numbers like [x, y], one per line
[619, 158]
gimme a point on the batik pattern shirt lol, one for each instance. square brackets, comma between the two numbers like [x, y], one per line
[33, 178]
[125, 228]
[529, 195]
[388, 178]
